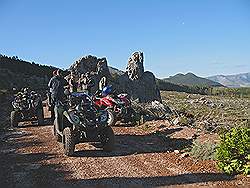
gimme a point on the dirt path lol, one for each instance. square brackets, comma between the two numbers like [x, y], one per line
[30, 157]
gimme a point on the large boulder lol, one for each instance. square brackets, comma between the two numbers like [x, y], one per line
[135, 68]
[90, 64]
[139, 84]
[97, 67]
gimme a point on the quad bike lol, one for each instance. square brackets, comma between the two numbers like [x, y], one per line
[78, 120]
[118, 107]
[27, 107]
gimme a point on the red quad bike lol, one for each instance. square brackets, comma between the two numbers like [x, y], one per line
[118, 107]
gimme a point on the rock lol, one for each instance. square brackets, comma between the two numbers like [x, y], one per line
[135, 67]
[202, 99]
[139, 84]
[176, 151]
[184, 155]
[176, 121]
[98, 67]
[151, 111]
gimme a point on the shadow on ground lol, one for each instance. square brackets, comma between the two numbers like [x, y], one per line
[25, 169]
[26, 124]
[29, 170]
[128, 144]
[183, 179]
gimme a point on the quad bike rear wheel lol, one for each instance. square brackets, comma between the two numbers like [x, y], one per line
[68, 141]
[108, 139]
[40, 116]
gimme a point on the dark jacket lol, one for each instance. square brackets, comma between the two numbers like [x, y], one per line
[56, 85]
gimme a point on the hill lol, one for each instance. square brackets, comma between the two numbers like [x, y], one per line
[18, 73]
[164, 85]
[234, 81]
[191, 79]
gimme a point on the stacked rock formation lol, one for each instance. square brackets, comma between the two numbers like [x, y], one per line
[135, 81]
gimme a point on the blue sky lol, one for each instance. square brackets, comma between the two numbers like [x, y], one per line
[205, 37]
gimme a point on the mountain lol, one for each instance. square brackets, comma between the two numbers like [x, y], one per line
[191, 79]
[237, 80]
[165, 85]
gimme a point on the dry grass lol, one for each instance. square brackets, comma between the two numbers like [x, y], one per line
[208, 112]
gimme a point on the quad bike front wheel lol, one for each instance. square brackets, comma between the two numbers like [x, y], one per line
[130, 116]
[56, 134]
[68, 141]
[14, 118]
[108, 139]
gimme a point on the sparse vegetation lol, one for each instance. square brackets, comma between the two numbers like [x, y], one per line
[208, 112]
[233, 153]
[168, 86]
[203, 151]
[243, 92]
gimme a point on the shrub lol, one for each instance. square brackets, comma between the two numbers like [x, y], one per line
[233, 153]
[203, 151]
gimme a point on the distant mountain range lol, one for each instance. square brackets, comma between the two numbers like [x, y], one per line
[237, 80]
[191, 79]
[16, 72]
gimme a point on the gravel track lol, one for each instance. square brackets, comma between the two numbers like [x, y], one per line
[30, 157]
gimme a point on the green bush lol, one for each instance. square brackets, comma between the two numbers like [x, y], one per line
[233, 153]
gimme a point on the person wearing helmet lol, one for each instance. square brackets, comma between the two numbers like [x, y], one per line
[102, 83]
[107, 90]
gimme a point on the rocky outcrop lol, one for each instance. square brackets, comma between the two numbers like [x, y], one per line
[135, 68]
[97, 67]
[135, 81]
[139, 84]
[90, 64]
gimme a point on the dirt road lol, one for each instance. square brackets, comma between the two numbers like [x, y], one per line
[30, 157]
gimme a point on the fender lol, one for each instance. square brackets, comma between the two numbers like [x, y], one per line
[107, 101]
[73, 119]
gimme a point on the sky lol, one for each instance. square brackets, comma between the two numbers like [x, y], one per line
[206, 37]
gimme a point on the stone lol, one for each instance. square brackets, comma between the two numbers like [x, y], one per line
[135, 67]
[137, 83]
[97, 67]
[176, 151]
[183, 155]
[176, 121]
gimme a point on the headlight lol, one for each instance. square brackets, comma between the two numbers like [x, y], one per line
[103, 117]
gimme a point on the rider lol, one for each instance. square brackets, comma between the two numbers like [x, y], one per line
[72, 83]
[87, 83]
[56, 85]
